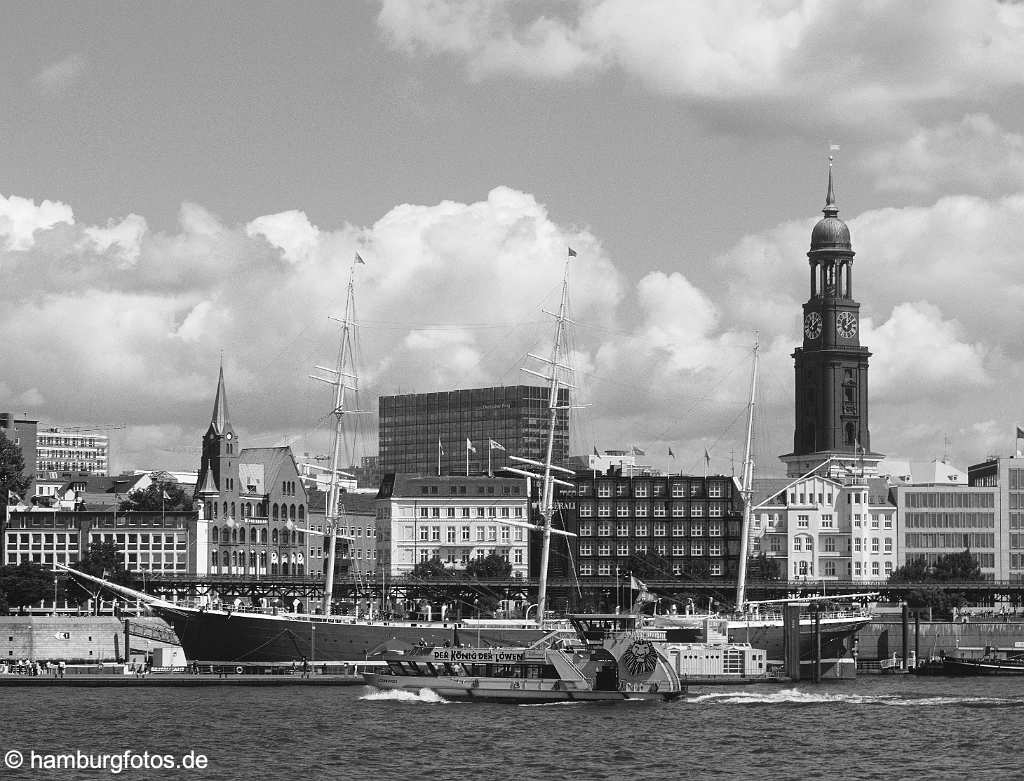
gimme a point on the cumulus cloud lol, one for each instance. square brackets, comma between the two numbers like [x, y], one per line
[451, 296]
[20, 218]
[975, 153]
[882, 55]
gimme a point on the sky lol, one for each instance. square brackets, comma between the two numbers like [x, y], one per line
[185, 184]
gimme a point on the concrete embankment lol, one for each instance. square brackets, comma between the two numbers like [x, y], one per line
[883, 639]
[71, 638]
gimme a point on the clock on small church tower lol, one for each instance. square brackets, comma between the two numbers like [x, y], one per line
[831, 383]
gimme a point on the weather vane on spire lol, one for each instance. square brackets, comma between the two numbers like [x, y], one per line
[832, 148]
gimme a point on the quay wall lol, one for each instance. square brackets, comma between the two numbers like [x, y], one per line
[881, 639]
[71, 639]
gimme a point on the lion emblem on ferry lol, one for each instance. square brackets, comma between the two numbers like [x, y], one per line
[640, 658]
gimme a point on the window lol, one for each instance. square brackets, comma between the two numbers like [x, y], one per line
[586, 549]
[678, 510]
[641, 529]
[715, 529]
[604, 489]
[435, 533]
[622, 549]
[586, 570]
[830, 544]
[715, 569]
[826, 521]
[714, 549]
[622, 530]
[696, 529]
[641, 490]
[715, 510]
[642, 509]
[450, 534]
[659, 510]
[679, 529]
[874, 545]
[586, 530]
[678, 548]
[604, 549]
[697, 549]
[604, 568]
[622, 510]
[802, 521]
[678, 490]
[696, 511]
[875, 569]
[604, 529]
[888, 544]
[465, 534]
[856, 544]
[714, 489]
[604, 510]
[659, 529]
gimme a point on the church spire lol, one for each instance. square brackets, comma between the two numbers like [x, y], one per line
[830, 210]
[220, 420]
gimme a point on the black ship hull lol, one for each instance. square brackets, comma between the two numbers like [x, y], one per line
[248, 638]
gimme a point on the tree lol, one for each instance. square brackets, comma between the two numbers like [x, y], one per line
[12, 470]
[763, 568]
[431, 568]
[25, 584]
[102, 561]
[151, 497]
[493, 567]
[948, 568]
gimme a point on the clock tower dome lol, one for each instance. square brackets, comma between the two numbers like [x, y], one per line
[831, 365]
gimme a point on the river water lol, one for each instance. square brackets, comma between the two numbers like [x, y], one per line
[872, 728]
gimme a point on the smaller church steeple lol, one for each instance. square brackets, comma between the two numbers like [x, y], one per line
[220, 420]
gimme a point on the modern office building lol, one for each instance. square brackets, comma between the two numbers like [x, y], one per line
[446, 432]
[1005, 477]
[452, 518]
[72, 449]
[940, 519]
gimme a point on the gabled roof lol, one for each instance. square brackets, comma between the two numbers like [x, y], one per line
[271, 460]
[934, 472]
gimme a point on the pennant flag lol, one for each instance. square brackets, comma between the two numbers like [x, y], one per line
[707, 456]
[469, 446]
[671, 454]
[595, 451]
[1020, 432]
[492, 445]
[439, 448]
[572, 252]
[635, 584]
[833, 147]
[166, 497]
[359, 259]
[638, 452]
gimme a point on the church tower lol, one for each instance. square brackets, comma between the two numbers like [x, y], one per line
[831, 365]
[219, 466]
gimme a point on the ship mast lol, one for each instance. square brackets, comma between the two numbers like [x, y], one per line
[747, 488]
[343, 380]
[547, 479]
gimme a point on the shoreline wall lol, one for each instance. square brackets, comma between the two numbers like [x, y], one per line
[71, 639]
[881, 639]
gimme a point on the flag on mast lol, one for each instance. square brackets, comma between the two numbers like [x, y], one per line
[671, 454]
[1020, 432]
[469, 446]
[596, 453]
[572, 252]
[359, 259]
[439, 448]
[492, 445]
[635, 584]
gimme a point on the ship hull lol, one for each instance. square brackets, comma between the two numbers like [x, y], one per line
[837, 644]
[222, 637]
[971, 667]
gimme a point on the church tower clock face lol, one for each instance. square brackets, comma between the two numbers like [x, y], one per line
[846, 325]
[812, 325]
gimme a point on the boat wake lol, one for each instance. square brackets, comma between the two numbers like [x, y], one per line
[798, 697]
[424, 696]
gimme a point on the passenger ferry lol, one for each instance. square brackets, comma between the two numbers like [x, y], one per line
[592, 666]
